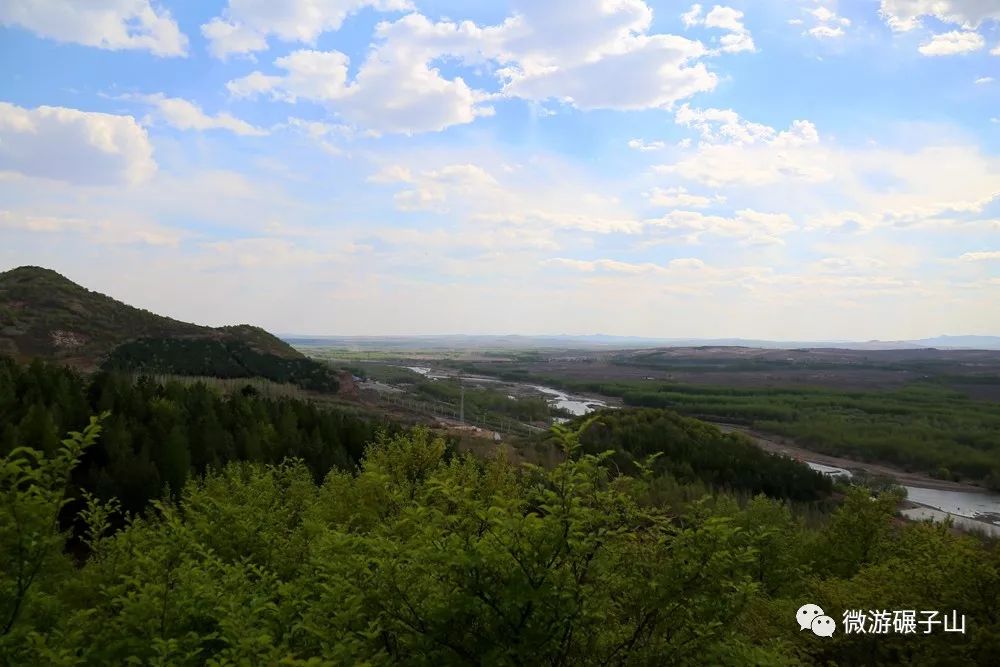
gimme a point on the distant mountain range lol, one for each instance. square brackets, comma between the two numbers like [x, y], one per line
[597, 341]
[45, 315]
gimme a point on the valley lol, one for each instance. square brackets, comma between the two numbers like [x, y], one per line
[211, 472]
[837, 375]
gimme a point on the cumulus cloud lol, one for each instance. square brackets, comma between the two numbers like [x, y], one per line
[656, 71]
[719, 17]
[828, 24]
[246, 25]
[735, 151]
[906, 15]
[968, 15]
[932, 184]
[953, 43]
[590, 54]
[105, 24]
[186, 115]
[75, 146]
[395, 90]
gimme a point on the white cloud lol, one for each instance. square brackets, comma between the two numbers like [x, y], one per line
[590, 54]
[246, 25]
[735, 151]
[935, 183]
[185, 115]
[827, 23]
[541, 197]
[850, 264]
[105, 24]
[318, 130]
[681, 198]
[952, 43]
[395, 90]
[655, 71]
[905, 15]
[969, 15]
[105, 232]
[73, 145]
[266, 252]
[826, 31]
[646, 146]
[984, 80]
[431, 190]
[985, 256]
[722, 18]
[692, 17]
[687, 266]
[746, 224]
[593, 54]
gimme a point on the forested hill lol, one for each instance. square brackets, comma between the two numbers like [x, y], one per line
[45, 315]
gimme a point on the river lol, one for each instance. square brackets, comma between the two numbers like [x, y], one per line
[573, 404]
[968, 509]
[971, 510]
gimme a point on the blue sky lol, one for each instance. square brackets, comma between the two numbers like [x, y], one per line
[785, 169]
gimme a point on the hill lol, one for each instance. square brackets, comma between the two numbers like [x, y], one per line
[45, 315]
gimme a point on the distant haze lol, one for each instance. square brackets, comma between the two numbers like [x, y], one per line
[599, 341]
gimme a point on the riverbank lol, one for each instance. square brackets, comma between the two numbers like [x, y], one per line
[780, 445]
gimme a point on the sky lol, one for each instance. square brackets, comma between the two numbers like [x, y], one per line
[779, 169]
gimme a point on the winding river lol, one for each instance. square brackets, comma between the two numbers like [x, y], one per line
[973, 510]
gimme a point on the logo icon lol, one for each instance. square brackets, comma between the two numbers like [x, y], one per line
[812, 617]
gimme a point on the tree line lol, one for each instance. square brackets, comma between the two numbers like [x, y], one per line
[157, 434]
[921, 428]
[693, 451]
[219, 358]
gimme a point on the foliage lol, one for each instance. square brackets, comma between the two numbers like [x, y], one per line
[158, 433]
[422, 558]
[32, 487]
[479, 400]
[922, 428]
[691, 450]
[218, 358]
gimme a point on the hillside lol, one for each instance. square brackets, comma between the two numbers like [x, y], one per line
[45, 315]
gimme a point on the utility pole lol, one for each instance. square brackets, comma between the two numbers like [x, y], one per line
[461, 409]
